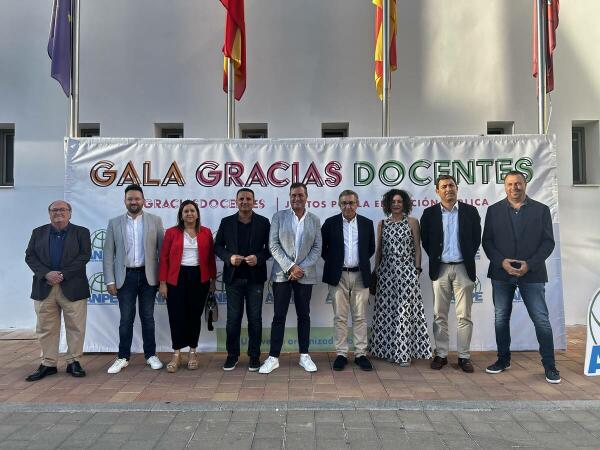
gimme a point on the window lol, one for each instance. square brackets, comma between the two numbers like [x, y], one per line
[254, 131]
[495, 128]
[335, 130]
[585, 148]
[89, 129]
[7, 154]
[168, 130]
[578, 145]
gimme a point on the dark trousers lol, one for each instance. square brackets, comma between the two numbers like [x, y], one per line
[185, 304]
[534, 298]
[282, 293]
[136, 287]
[238, 291]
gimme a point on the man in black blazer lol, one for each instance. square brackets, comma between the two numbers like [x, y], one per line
[451, 234]
[242, 243]
[517, 239]
[57, 254]
[348, 244]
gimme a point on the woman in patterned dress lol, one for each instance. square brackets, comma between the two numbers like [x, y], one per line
[399, 327]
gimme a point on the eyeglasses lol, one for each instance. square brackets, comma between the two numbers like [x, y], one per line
[347, 203]
[58, 210]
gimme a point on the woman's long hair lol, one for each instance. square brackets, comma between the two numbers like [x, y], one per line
[180, 223]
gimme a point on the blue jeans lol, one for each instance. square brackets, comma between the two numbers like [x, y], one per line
[136, 286]
[238, 291]
[533, 295]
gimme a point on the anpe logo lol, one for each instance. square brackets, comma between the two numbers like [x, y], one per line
[592, 348]
[100, 295]
[594, 319]
[98, 237]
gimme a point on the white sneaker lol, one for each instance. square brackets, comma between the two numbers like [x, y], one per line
[307, 363]
[270, 364]
[154, 362]
[119, 364]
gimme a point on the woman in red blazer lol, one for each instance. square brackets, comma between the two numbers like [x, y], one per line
[187, 273]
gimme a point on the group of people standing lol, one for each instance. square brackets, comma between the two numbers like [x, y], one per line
[141, 259]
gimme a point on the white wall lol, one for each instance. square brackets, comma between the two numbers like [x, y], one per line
[462, 63]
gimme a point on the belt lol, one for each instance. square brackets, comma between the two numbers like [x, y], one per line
[350, 269]
[453, 263]
[136, 269]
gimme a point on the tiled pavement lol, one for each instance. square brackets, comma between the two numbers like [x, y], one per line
[391, 407]
[19, 355]
[302, 429]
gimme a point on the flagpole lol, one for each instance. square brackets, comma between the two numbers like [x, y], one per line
[542, 69]
[230, 100]
[385, 106]
[74, 99]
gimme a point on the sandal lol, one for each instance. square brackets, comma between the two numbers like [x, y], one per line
[173, 365]
[192, 360]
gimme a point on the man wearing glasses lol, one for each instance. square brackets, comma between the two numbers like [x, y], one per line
[348, 244]
[57, 254]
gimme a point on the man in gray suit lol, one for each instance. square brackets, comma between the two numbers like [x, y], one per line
[130, 263]
[295, 243]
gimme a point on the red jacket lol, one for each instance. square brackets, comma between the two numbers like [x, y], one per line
[172, 252]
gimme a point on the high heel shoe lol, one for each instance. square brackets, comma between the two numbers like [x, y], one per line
[173, 365]
[192, 360]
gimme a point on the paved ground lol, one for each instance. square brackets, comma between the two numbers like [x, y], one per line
[494, 425]
[391, 407]
[19, 355]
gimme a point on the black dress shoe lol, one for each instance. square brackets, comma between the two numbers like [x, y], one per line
[466, 365]
[75, 369]
[438, 362]
[340, 362]
[41, 372]
[363, 363]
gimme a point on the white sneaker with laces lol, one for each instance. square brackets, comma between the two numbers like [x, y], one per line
[154, 362]
[270, 364]
[119, 364]
[307, 363]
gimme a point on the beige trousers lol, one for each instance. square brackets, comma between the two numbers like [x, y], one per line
[350, 296]
[48, 326]
[453, 279]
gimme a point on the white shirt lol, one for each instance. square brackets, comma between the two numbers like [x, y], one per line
[135, 241]
[298, 224]
[350, 242]
[451, 251]
[190, 250]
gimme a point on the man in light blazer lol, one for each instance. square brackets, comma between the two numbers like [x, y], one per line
[130, 263]
[348, 244]
[451, 235]
[295, 244]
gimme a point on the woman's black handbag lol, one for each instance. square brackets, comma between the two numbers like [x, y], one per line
[211, 310]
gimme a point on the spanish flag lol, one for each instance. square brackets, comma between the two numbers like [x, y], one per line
[552, 7]
[379, 43]
[235, 45]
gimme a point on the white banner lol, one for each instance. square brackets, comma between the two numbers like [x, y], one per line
[211, 171]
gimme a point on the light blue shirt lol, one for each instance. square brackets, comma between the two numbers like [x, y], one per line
[451, 251]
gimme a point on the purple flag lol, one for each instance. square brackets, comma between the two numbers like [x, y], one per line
[59, 44]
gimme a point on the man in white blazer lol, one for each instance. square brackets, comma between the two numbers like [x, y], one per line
[130, 264]
[295, 244]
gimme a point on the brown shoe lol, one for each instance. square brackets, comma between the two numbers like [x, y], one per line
[438, 362]
[192, 360]
[466, 365]
[174, 363]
